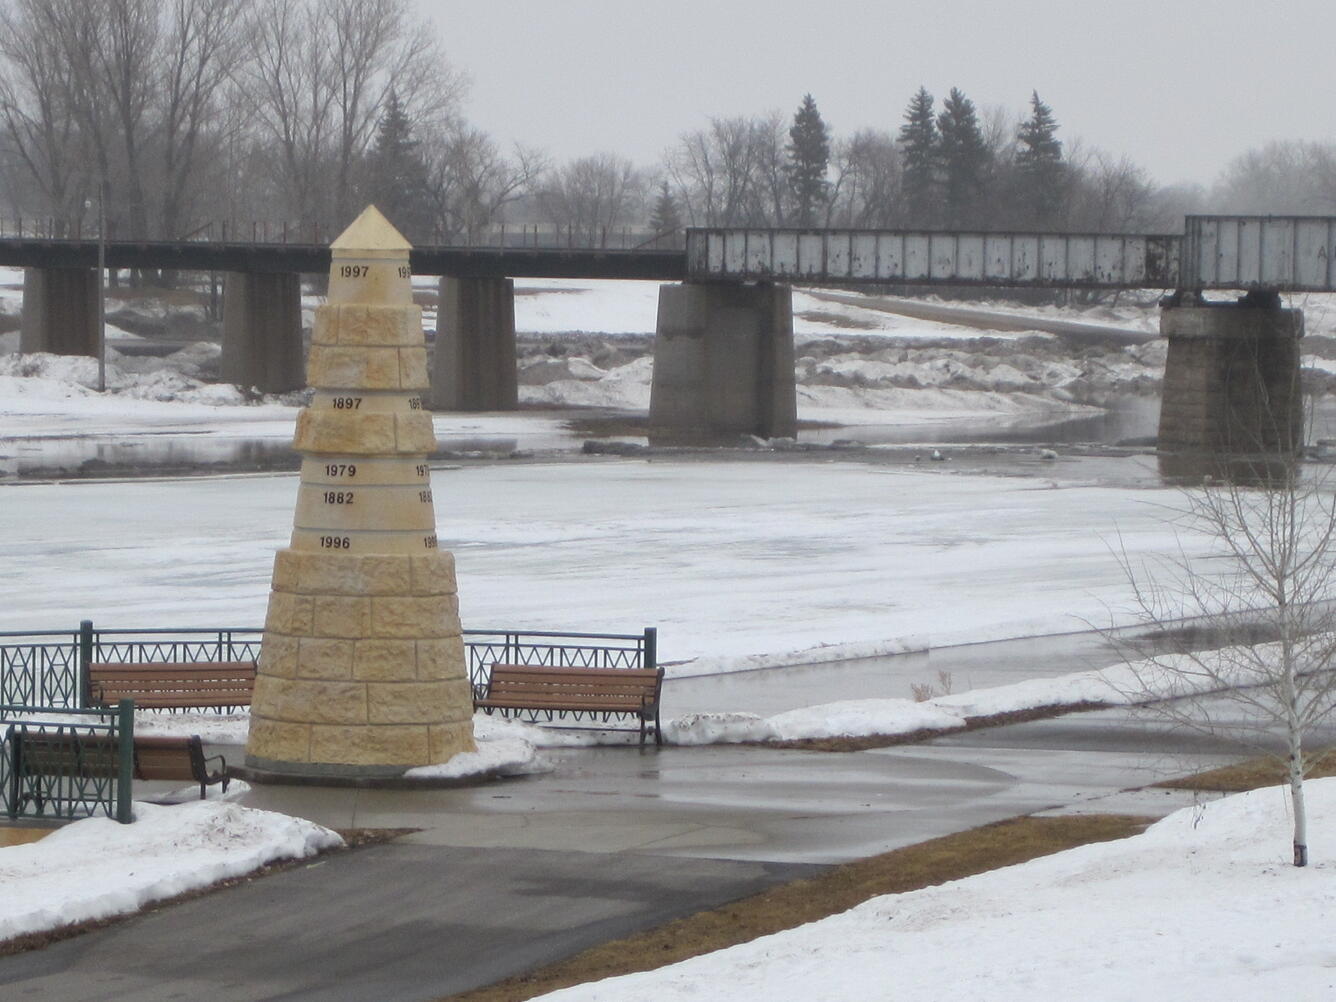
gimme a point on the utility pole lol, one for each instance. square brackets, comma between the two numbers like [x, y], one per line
[102, 286]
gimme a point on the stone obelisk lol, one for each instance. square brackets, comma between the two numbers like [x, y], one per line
[362, 670]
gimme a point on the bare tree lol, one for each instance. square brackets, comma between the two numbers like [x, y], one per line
[772, 190]
[202, 47]
[1270, 575]
[731, 173]
[117, 93]
[1107, 194]
[591, 196]
[866, 189]
[1284, 177]
[317, 85]
[471, 182]
[37, 87]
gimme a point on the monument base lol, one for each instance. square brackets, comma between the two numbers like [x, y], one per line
[264, 772]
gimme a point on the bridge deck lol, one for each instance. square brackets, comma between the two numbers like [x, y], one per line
[463, 262]
[1285, 253]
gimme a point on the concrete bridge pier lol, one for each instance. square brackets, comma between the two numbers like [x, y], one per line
[262, 331]
[474, 364]
[723, 363]
[1231, 379]
[60, 311]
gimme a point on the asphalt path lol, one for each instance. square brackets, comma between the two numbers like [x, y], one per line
[389, 922]
[503, 878]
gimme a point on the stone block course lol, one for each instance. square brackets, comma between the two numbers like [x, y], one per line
[293, 615]
[426, 616]
[279, 656]
[346, 433]
[448, 740]
[438, 660]
[280, 740]
[413, 433]
[311, 701]
[407, 702]
[434, 574]
[385, 661]
[326, 658]
[384, 745]
[353, 369]
[342, 616]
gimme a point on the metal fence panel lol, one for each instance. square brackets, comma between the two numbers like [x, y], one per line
[482, 649]
[67, 769]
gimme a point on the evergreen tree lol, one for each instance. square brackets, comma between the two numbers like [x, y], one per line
[808, 155]
[965, 159]
[1041, 172]
[919, 147]
[396, 173]
[666, 218]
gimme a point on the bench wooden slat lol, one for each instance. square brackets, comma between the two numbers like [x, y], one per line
[550, 689]
[173, 685]
[96, 756]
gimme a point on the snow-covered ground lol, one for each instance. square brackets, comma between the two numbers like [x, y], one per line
[96, 868]
[1202, 906]
[857, 365]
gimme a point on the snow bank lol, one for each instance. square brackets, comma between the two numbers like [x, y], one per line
[96, 868]
[1166, 677]
[1202, 907]
[502, 751]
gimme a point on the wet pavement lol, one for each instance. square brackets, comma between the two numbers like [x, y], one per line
[507, 876]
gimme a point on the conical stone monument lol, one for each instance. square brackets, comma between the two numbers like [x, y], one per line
[362, 670]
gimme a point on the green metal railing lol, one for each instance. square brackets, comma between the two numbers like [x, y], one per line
[63, 769]
[485, 648]
[50, 669]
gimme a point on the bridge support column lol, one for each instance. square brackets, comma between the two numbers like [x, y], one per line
[60, 311]
[723, 363]
[473, 366]
[1231, 379]
[262, 331]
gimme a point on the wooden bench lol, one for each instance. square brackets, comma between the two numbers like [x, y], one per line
[39, 760]
[599, 692]
[194, 685]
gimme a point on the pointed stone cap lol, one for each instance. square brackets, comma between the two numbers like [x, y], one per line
[369, 264]
[370, 232]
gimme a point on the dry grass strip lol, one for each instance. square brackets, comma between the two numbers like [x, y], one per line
[1250, 775]
[936, 861]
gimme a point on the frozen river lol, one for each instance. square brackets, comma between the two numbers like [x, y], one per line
[738, 563]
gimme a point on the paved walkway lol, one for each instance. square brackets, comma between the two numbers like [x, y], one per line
[505, 877]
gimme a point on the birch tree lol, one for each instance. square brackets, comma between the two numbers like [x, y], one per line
[1273, 531]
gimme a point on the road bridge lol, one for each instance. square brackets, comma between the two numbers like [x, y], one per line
[724, 344]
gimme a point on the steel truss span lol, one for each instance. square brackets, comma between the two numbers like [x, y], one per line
[1280, 253]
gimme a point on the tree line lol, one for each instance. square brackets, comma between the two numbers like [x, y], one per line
[180, 112]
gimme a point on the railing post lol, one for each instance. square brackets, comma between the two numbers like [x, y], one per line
[81, 698]
[651, 647]
[125, 741]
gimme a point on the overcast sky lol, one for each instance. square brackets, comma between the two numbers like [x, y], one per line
[1180, 86]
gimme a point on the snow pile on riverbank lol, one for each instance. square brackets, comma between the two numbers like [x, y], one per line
[852, 359]
[95, 868]
[1201, 907]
